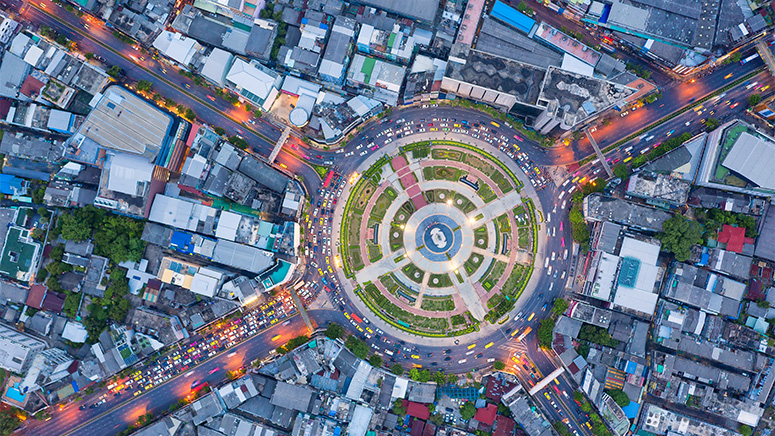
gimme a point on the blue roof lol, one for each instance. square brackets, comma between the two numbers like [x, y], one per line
[512, 17]
[9, 184]
[631, 410]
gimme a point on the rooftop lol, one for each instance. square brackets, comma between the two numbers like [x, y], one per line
[423, 10]
[660, 187]
[124, 122]
[765, 246]
[749, 157]
[494, 79]
[501, 40]
[598, 207]
[567, 44]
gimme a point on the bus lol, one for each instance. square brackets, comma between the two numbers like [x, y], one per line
[329, 176]
[749, 58]
[356, 318]
[524, 334]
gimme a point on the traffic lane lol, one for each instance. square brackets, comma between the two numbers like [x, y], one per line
[136, 72]
[158, 399]
[672, 99]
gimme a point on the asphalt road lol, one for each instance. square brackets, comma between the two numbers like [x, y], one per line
[98, 39]
[173, 86]
[120, 412]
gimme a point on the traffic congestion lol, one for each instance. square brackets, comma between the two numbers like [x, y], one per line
[207, 344]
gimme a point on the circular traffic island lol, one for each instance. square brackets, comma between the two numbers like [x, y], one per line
[437, 238]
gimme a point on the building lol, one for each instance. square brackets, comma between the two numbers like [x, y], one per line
[599, 207]
[395, 46]
[17, 350]
[254, 82]
[177, 47]
[20, 254]
[704, 290]
[124, 122]
[217, 65]
[333, 65]
[421, 10]
[748, 158]
[630, 278]
[659, 190]
[380, 80]
[197, 279]
[127, 184]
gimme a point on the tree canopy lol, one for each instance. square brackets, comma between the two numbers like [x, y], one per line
[679, 235]
[334, 331]
[467, 410]
[397, 369]
[375, 360]
[357, 346]
[619, 396]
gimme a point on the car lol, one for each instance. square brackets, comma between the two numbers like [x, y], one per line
[447, 359]
[83, 407]
[430, 355]
[211, 97]
[188, 86]
[479, 356]
[734, 105]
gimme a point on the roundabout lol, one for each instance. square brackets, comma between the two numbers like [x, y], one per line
[436, 238]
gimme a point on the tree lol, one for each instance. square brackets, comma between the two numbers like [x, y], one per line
[144, 85]
[744, 430]
[754, 99]
[73, 229]
[114, 71]
[440, 378]
[334, 331]
[578, 396]
[220, 131]
[621, 171]
[238, 142]
[357, 346]
[89, 56]
[586, 407]
[397, 369]
[560, 306]
[498, 365]
[546, 333]
[9, 421]
[189, 114]
[619, 396]
[168, 102]
[712, 124]
[452, 379]
[398, 408]
[679, 235]
[467, 410]
[735, 57]
[375, 360]
[293, 344]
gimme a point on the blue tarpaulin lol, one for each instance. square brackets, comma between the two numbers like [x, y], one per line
[512, 17]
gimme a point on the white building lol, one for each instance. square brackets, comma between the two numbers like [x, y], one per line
[254, 82]
[217, 65]
[177, 47]
[17, 350]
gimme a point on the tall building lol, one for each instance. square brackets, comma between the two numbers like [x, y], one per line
[17, 349]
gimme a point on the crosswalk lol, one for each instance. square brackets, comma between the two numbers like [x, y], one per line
[515, 347]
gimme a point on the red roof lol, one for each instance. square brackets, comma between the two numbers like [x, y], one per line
[734, 237]
[5, 107]
[31, 86]
[53, 302]
[35, 297]
[417, 410]
[430, 429]
[496, 388]
[504, 426]
[487, 414]
[417, 427]
[755, 290]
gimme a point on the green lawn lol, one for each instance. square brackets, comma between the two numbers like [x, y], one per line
[493, 275]
[415, 274]
[443, 281]
[383, 202]
[438, 304]
[473, 263]
[480, 237]
[463, 203]
[486, 192]
[504, 224]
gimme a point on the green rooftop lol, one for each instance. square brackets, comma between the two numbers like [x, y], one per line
[17, 254]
